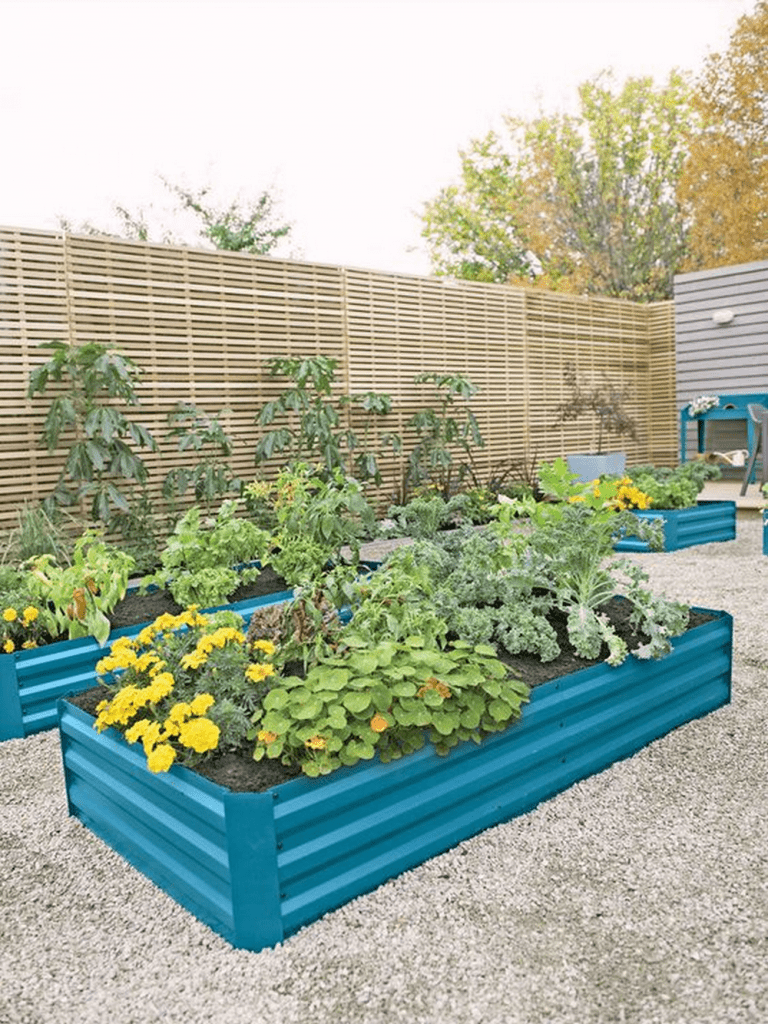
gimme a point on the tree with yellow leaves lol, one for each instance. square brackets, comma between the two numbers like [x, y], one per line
[581, 203]
[724, 187]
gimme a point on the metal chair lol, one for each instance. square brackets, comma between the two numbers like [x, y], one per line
[759, 416]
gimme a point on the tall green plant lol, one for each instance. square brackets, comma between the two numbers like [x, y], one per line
[210, 476]
[442, 434]
[85, 414]
[315, 430]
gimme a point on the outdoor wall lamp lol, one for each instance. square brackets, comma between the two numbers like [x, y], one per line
[723, 316]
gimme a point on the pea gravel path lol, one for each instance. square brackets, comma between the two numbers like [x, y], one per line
[639, 896]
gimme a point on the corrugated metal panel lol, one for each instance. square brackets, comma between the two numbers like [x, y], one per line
[705, 523]
[256, 867]
[365, 830]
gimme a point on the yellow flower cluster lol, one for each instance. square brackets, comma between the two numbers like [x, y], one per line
[169, 623]
[186, 723]
[206, 644]
[21, 621]
[127, 702]
[630, 497]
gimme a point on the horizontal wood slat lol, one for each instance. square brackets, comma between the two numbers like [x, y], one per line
[201, 324]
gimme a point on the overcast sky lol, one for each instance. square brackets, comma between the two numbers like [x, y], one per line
[352, 111]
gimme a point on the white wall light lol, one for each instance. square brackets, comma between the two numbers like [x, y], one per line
[723, 316]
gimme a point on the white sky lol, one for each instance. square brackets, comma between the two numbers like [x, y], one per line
[353, 111]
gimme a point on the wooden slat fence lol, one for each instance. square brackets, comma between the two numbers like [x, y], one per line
[201, 324]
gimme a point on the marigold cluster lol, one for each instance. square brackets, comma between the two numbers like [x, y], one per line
[16, 633]
[208, 643]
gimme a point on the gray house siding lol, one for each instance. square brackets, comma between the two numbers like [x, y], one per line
[716, 359]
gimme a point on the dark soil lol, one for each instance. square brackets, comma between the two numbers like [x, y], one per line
[136, 608]
[238, 771]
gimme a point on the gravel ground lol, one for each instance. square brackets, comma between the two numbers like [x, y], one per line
[639, 896]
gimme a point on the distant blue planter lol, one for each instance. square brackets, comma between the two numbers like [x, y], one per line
[703, 523]
[32, 682]
[256, 867]
[765, 533]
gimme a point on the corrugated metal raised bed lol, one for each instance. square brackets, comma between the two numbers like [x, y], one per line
[32, 682]
[703, 523]
[256, 867]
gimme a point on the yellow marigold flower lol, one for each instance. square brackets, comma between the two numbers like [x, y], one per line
[379, 723]
[28, 645]
[136, 731]
[122, 643]
[9, 646]
[200, 734]
[266, 647]
[161, 758]
[315, 743]
[575, 498]
[265, 736]
[146, 661]
[160, 687]
[10, 615]
[258, 673]
[150, 737]
[30, 613]
[101, 705]
[179, 712]
[200, 703]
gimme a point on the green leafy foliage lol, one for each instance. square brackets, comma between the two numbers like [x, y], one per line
[100, 437]
[426, 514]
[385, 699]
[314, 518]
[315, 428]
[442, 454]
[582, 203]
[76, 599]
[199, 558]
[569, 555]
[677, 487]
[203, 436]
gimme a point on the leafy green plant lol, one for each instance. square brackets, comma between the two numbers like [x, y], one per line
[98, 433]
[141, 530]
[426, 514]
[315, 431]
[677, 487]
[440, 433]
[76, 599]
[39, 531]
[385, 699]
[316, 520]
[186, 685]
[199, 558]
[569, 555]
[210, 476]
[21, 627]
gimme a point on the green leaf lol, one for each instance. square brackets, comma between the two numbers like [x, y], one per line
[356, 702]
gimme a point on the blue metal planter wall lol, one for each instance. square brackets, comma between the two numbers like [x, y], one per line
[703, 523]
[31, 682]
[256, 867]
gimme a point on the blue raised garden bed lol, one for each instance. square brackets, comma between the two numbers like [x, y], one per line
[703, 523]
[32, 682]
[256, 867]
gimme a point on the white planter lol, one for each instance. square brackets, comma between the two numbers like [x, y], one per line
[590, 466]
